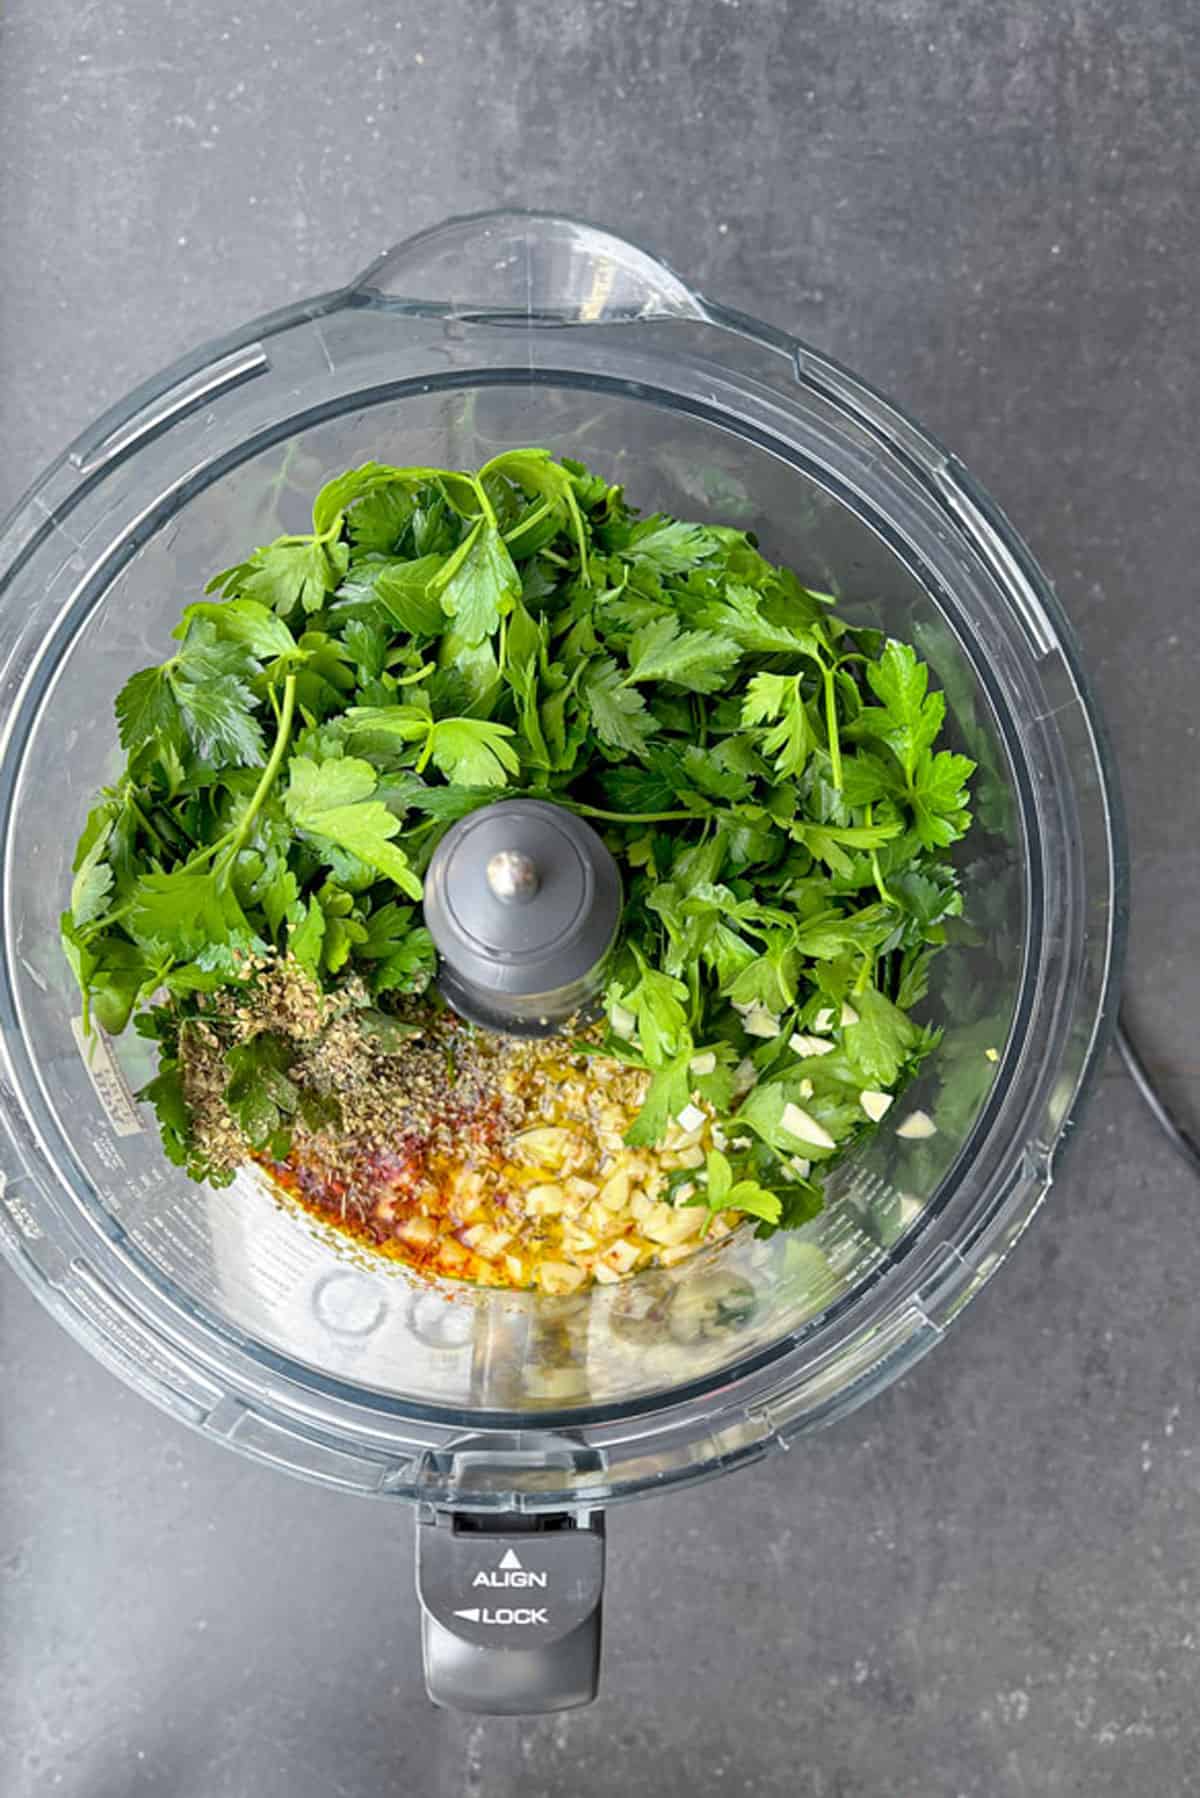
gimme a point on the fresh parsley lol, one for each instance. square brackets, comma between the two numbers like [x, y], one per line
[771, 780]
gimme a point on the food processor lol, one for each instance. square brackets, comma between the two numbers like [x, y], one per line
[512, 1420]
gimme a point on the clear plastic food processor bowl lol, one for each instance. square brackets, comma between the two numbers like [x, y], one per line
[238, 1315]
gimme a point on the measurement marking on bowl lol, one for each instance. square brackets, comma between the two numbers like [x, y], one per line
[108, 1080]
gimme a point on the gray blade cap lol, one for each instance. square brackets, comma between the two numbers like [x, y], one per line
[523, 902]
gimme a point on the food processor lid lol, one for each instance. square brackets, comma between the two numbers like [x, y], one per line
[523, 902]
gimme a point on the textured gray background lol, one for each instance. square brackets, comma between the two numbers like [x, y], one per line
[987, 1582]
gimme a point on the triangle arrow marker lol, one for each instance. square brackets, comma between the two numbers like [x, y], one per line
[471, 1616]
[510, 1559]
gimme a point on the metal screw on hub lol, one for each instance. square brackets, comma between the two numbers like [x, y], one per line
[513, 876]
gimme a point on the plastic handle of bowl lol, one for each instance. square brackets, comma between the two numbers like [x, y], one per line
[535, 265]
[511, 1609]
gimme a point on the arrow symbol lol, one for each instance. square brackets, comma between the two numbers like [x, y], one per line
[471, 1616]
[510, 1559]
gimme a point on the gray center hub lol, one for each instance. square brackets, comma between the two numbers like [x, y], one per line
[523, 902]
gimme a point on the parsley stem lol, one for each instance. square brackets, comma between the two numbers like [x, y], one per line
[581, 540]
[831, 725]
[234, 843]
[594, 811]
[427, 750]
[880, 886]
[527, 524]
[146, 824]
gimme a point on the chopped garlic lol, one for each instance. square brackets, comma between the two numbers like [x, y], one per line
[544, 1201]
[685, 1192]
[875, 1104]
[420, 1231]
[623, 1021]
[660, 1225]
[556, 1278]
[992, 1054]
[800, 1167]
[810, 1045]
[719, 1138]
[614, 1194]
[910, 1209]
[917, 1126]
[690, 1118]
[761, 1022]
[704, 1064]
[798, 1123]
[485, 1241]
[744, 1075]
[548, 1145]
[807, 1088]
[824, 1019]
[598, 1219]
[849, 1015]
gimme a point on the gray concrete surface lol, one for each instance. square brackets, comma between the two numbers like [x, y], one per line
[985, 1584]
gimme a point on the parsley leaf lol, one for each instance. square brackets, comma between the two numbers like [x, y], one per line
[478, 583]
[618, 713]
[185, 912]
[402, 588]
[368, 645]
[372, 481]
[939, 797]
[291, 572]
[789, 742]
[723, 1193]
[749, 618]
[216, 710]
[146, 710]
[259, 1094]
[666, 1096]
[911, 717]
[658, 1003]
[830, 842]
[698, 660]
[307, 938]
[243, 621]
[668, 546]
[474, 751]
[881, 1040]
[378, 521]
[332, 803]
[399, 949]
[726, 771]
[93, 880]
